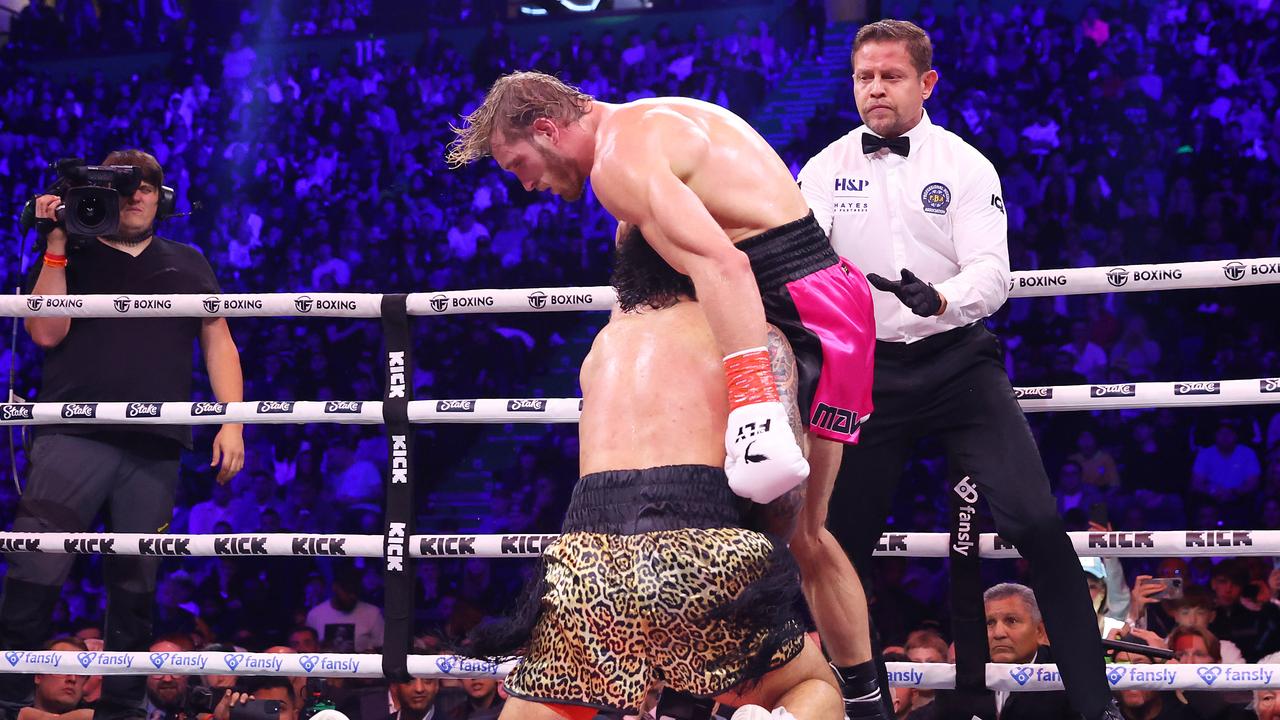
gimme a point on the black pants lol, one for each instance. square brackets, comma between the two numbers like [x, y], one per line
[954, 386]
[72, 479]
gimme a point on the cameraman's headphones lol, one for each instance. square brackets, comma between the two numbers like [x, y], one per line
[168, 205]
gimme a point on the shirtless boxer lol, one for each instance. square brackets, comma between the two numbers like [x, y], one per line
[719, 205]
[654, 577]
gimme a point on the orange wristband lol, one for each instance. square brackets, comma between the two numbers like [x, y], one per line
[750, 378]
[58, 261]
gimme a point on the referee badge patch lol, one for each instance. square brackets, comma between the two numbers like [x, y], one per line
[936, 197]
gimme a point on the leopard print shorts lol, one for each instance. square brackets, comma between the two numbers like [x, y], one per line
[620, 611]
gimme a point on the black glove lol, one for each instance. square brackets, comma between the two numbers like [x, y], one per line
[912, 291]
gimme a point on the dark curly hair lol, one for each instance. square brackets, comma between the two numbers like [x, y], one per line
[643, 279]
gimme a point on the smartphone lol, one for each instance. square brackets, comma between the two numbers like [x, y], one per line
[257, 710]
[1098, 513]
[1171, 588]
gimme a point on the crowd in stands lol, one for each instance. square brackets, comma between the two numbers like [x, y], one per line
[1136, 132]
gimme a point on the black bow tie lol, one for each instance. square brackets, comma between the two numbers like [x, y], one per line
[872, 143]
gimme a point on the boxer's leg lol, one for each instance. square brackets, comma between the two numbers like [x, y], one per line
[804, 686]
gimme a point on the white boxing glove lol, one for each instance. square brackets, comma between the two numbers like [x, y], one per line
[762, 459]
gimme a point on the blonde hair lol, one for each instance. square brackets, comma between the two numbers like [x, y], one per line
[511, 106]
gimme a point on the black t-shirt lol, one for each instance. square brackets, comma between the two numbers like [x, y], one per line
[127, 359]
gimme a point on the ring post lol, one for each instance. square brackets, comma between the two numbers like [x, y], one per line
[399, 512]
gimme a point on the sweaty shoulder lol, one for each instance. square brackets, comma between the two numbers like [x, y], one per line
[635, 126]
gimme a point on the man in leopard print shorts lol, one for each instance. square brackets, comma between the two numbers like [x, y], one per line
[655, 578]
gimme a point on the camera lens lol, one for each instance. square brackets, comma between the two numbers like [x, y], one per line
[90, 211]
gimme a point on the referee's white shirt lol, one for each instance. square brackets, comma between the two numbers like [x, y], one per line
[937, 212]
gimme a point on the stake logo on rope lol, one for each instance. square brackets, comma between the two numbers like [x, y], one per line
[1121, 390]
[10, 411]
[343, 406]
[208, 408]
[455, 406]
[142, 410]
[79, 410]
[275, 407]
[527, 405]
[1197, 388]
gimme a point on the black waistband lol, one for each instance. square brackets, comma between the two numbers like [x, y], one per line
[788, 252]
[929, 347]
[671, 497]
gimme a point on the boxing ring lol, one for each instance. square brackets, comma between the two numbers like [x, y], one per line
[400, 546]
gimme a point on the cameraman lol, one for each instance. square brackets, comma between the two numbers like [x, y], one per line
[75, 471]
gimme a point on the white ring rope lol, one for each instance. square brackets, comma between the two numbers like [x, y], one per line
[238, 663]
[940, 676]
[1023, 283]
[1121, 676]
[1254, 391]
[1152, 543]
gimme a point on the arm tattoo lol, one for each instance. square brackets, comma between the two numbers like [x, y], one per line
[783, 362]
[779, 517]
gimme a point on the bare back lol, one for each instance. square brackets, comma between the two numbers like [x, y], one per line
[735, 173]
[653, 393]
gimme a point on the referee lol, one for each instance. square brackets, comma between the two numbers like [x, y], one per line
[920, 211]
